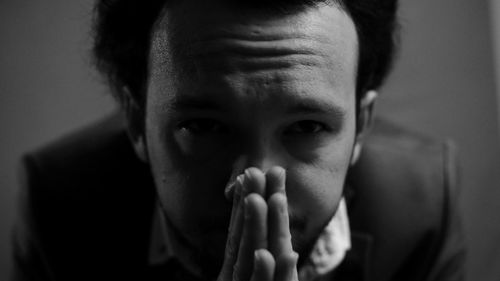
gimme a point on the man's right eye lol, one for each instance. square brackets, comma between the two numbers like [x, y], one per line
[202, 126]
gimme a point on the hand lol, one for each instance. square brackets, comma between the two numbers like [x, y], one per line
[259, 246]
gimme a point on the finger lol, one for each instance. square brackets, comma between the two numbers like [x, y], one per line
[255, 181]
[275, 180]
[236, 171]
[237, 190]
[234, 231]
[229, 190]
[280, 238]
[286, 268]
[254, 235]
[264, 266]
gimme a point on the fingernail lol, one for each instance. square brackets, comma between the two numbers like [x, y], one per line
[248, 174]
[247, 179]
[228, 191]
[279, 174]
[281, 171]
[240, 179]
[257, 254]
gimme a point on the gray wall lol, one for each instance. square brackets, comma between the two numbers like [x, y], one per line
[443, 85]
[495, 21]
[47, 87]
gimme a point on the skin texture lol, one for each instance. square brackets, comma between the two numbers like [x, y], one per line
[231, 89]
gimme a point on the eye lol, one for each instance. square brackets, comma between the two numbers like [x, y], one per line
[305, 127]
[202, 126]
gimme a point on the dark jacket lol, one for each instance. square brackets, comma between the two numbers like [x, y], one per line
[87, 207]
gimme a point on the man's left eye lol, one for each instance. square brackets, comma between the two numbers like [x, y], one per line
[305, 127]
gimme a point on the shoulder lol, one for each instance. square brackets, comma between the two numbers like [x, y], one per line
[102, 140]
[405, 169]
[405, 192]
[85, 197]
[94, 163]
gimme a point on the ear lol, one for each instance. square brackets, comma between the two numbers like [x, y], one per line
[363, 123]
[134, 115]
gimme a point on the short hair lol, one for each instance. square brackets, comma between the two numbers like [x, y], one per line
[123, 28]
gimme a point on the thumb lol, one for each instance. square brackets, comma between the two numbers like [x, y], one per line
[234, 232]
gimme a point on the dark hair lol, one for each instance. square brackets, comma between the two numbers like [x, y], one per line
[122, 30]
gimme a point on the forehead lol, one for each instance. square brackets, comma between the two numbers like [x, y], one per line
[212, 40]
[191, 27]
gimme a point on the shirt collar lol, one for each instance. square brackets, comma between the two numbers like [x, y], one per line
[330, 247]
[166, 247]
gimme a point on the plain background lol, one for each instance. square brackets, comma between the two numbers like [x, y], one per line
[443, 85]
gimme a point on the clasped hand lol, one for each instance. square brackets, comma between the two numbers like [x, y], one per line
[259, 246]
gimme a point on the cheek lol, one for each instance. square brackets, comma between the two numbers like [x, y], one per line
[314, 192]
[202, 151]
[314, 189]
[190, 186]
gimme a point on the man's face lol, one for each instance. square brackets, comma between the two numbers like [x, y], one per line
[229, 90]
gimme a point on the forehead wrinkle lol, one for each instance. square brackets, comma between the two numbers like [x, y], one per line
[240, 31]
[276, 70]
[255, 48]
[258, 41]
[190, 37]
[233, 54]
[248, 47]
[275, 90]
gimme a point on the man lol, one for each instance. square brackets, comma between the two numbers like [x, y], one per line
[245, 118]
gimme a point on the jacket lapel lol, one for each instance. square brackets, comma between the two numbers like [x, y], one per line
[355, 266]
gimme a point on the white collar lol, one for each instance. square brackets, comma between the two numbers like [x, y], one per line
[330, 248]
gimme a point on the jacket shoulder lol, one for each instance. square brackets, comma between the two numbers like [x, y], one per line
[84, 197]
[93, 143]
[405, 200]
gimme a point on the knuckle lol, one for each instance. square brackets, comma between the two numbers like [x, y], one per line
[236, 269]
[230, 249]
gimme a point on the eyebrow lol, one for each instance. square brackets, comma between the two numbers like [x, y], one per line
[294, 107]
[194, 104]
[312, 106]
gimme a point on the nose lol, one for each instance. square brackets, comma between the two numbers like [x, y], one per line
[262, 153]
[241, 164]
[262, 162]
[259, 153]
